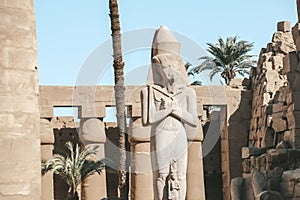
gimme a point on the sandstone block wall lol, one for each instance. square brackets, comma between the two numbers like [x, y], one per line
[272, 96]
[272, 158]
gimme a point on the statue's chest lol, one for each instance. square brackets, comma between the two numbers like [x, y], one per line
[162, 101]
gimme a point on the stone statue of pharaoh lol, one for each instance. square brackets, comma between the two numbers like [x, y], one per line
[168, 106]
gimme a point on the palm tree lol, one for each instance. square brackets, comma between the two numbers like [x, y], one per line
[190, 72]
[229, 58]
[119, 96]
[74, 167]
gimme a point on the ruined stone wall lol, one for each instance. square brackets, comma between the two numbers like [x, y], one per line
[272, 158]
[272, 96]
[20, 161]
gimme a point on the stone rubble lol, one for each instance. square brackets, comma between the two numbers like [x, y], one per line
[272, 93]
[271, 161]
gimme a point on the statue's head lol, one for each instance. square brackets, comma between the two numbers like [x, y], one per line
[164, 42]
[166, 75]
[167, 65]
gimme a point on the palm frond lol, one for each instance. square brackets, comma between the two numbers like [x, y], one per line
[191, 72]
[196, 83]
[205, 65]
[187, 66]
[205, 58]
[213, 72]
[75, 166]
[229, 57]
[242, 72]
[90, 167]
[221, 42]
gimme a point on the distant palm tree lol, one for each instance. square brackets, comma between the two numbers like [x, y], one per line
[74, 167]
[190, 72]
[229, 58]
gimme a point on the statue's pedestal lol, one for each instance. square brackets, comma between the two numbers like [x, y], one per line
[142, 177]
[141, 168]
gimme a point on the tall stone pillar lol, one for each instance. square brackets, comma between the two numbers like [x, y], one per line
[20, 160]
[92, 133]
[47, 146]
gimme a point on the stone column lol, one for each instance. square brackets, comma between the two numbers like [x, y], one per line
[20, 161]
[47, 145]
[92, 133]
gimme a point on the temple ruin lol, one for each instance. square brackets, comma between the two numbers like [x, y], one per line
[254, 125]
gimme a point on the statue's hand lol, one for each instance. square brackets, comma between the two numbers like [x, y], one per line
[162, 104]
[167, 105]
[175, 106]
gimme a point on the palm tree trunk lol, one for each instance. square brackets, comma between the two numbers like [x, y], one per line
[119, 95]
[73, 196]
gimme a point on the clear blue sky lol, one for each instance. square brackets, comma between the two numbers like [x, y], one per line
[68, 31]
